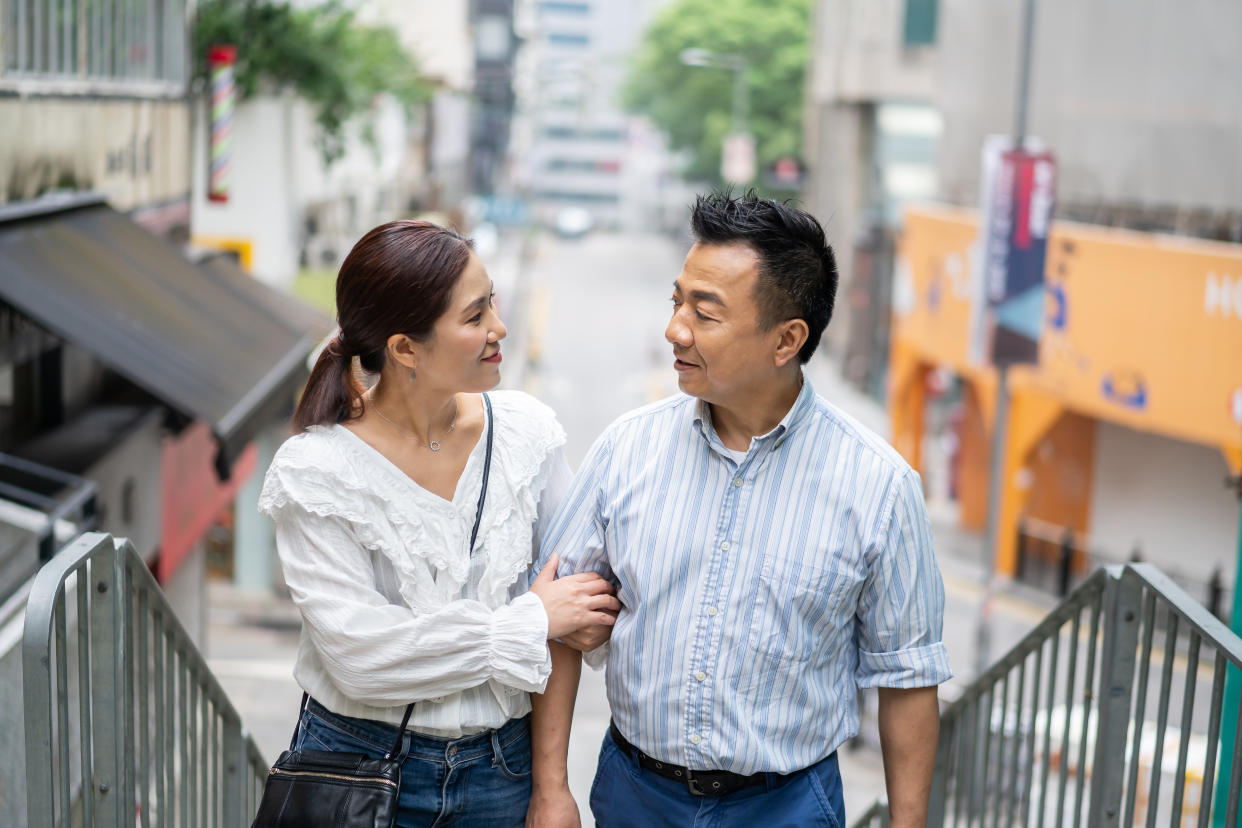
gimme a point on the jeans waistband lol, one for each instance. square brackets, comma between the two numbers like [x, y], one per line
[382, 735]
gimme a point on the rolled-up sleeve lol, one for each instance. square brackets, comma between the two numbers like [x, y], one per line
[901, 608]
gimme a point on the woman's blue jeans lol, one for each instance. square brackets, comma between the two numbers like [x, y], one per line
[479, 780]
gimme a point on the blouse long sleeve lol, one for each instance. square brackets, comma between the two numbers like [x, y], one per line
[383, 654]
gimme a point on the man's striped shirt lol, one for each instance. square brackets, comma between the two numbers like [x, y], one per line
[758, 594]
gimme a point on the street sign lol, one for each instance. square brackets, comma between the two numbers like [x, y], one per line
[503, 210]
[737, 162]
[785, 173]
[1015, 239]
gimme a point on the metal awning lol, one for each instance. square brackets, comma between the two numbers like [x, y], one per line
[208, 346]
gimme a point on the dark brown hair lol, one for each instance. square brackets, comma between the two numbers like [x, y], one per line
[397, 279]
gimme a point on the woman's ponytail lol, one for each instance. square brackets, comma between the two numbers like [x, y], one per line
[332, 394]
[397, 279]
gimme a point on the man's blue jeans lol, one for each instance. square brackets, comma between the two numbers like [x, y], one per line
[481, 780]
[628, 796]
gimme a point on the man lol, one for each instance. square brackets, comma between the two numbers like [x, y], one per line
[771, 556]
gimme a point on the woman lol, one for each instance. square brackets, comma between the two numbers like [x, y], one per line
[375, 500]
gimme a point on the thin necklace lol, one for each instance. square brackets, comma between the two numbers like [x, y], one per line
[434, 445]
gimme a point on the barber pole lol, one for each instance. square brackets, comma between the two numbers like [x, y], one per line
[220, 60]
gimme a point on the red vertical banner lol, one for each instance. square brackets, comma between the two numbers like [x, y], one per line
[220, 60]
[1015, 234]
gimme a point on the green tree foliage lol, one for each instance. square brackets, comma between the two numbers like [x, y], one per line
[693, 105]
[328, 58]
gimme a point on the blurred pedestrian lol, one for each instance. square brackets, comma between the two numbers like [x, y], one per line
[771, 556]
[406, 521]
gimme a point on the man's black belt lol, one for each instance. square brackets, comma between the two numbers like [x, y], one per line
[699, 782]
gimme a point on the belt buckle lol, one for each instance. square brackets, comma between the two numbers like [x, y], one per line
[693, 784]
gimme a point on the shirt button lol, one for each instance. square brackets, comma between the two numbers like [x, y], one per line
[725, 546]
[700, 675]
[737, 482]
[711, 610]
[696, 738]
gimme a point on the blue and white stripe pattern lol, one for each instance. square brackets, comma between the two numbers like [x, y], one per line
[757, 595]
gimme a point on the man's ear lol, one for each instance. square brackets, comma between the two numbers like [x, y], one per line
[791, 336]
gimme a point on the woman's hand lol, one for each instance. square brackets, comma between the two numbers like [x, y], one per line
[588, 638]
[575, 601]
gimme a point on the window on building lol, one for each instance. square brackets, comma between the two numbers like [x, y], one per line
[568, 100]
[493, 35]
[568, 39]
[30, 392]
[587, 198]
[920, 26]
[565, 8]
[602, 134]
[95, 39]
[607, 166]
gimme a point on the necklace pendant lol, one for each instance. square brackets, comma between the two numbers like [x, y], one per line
[434, 445]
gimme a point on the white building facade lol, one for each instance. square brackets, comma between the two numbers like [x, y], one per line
[575, 146]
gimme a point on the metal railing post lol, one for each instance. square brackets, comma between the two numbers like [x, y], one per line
[940, 777]
[1122, 600]
[108, 688]
[234, 749]
[968, 789]
[130, 647]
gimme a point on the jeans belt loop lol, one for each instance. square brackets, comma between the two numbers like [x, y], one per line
[496, 754]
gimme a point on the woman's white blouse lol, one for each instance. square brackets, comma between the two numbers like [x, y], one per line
[394, 606]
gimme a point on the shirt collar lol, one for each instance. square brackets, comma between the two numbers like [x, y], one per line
[701, 414]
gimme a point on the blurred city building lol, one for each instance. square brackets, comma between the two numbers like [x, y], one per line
[577, 153]
[133, 374]
[1120, 437]
[871, 131]
[495, 59]
[289, 208]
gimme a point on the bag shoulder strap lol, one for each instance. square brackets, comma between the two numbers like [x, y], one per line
[487, 467]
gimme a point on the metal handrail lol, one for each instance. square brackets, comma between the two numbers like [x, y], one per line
[1072, 725]
[125, 723]
[76, 501]
[874, 817]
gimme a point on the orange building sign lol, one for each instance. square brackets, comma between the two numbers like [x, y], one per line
[1139, 329]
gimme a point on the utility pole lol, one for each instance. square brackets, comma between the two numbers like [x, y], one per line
[739, 146]
[983, 634]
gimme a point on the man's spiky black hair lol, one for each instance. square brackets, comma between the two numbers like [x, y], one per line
[797, 270]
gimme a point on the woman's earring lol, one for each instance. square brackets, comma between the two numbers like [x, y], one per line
[411, 375]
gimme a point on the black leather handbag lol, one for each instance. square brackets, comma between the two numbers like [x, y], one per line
[322, 788]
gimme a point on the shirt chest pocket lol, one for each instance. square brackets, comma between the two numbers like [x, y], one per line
[801, 610]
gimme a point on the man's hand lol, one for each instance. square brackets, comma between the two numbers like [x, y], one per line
[909, 727]
[588, 638]
[552, 807]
